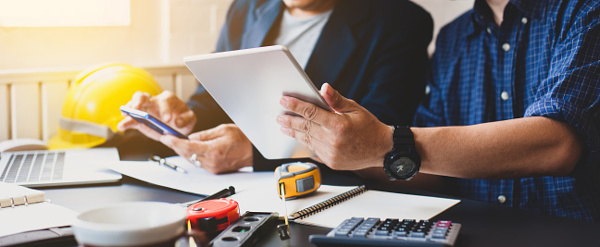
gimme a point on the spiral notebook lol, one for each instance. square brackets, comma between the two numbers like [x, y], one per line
[330, 205]
[27, 209]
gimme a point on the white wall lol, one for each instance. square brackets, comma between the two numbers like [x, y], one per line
[161, 32]
[443, 11]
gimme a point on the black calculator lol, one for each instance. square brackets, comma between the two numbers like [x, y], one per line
[358, 231]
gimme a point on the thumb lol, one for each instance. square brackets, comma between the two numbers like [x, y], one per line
[335, 100]
[172, 142]
[205, 135]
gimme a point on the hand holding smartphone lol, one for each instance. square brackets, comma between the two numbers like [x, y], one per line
[152, 122]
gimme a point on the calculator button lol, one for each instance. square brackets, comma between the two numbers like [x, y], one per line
[372, 220]
[417, 234]
[342, 232]
[351, 225]
[356, 219]
[391, 221]
[359, 234]
[438, 236]
[400, 233]
[443, 223]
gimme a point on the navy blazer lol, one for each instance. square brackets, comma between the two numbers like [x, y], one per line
[374, 52]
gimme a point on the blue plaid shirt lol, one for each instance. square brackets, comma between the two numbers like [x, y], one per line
[542, 61]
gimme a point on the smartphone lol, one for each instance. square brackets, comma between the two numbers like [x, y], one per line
[150, 121]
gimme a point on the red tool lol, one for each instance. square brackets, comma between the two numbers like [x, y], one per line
[213, 215]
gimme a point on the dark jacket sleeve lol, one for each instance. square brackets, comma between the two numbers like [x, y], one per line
[398, 66]
[206, 109]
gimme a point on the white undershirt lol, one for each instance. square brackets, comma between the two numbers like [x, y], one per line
[301, 34]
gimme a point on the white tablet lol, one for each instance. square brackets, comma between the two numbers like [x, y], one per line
[248, 85]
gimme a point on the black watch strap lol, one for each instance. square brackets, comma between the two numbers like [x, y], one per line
[403, 136]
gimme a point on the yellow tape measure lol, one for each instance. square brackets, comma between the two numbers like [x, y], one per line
[298, 179]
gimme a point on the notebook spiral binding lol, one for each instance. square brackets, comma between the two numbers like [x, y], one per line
[13, 202]
[328, 203]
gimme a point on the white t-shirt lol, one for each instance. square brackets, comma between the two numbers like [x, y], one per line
[301, 34]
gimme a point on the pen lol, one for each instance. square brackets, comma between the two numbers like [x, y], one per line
[164, 162]
[221, 194]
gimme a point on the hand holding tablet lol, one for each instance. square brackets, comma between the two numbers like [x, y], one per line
[248, 85]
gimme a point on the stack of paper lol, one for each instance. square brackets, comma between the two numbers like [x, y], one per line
[36, 214]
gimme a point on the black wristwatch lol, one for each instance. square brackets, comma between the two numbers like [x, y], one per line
[403, 162]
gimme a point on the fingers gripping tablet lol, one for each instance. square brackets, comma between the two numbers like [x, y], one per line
[250, 91]
[150, 121]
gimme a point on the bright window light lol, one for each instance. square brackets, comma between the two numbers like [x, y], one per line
[64, 13]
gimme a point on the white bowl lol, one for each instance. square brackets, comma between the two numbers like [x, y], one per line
[130, 223]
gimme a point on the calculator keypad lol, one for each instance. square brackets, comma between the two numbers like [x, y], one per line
[359, 231]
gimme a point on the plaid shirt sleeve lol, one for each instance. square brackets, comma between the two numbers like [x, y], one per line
[571, 91]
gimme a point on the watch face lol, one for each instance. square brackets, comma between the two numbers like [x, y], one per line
[402, 167]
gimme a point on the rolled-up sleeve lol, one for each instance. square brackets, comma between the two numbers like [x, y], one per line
[571, 91]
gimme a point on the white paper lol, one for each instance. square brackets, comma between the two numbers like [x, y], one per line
[32, 217]
[196, 180]
[371, 203]
[379, 204]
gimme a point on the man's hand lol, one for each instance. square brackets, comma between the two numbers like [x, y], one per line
[350, 138]
[220, 150]
[165, 107]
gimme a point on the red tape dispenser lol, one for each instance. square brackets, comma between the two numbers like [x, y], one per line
[213, 215]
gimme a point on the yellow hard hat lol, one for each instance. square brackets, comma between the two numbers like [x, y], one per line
[90, 112]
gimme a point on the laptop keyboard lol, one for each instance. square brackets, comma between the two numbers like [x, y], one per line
[34, 167]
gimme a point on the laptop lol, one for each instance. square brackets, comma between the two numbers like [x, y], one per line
[248, 84]
[44, 168]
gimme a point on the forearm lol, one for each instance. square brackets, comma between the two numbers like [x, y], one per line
[525, 147]
[353, 139]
